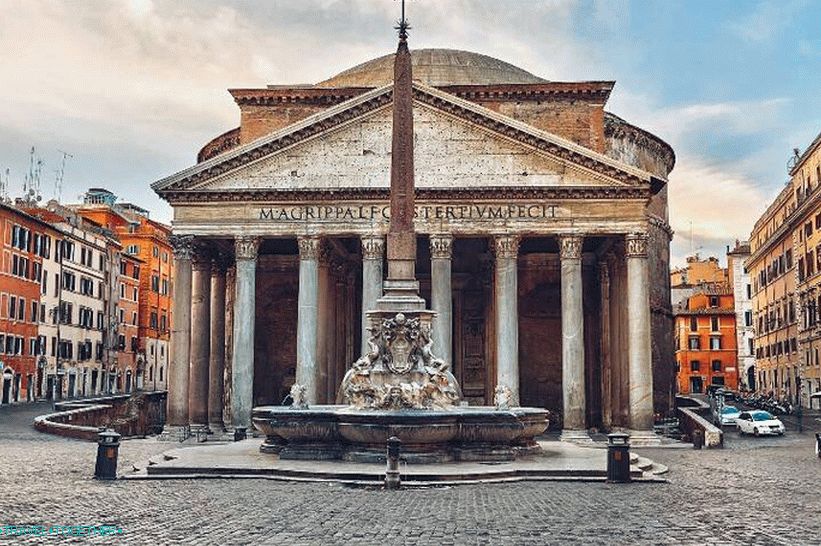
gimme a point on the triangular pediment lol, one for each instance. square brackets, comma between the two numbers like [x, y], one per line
[457, 145]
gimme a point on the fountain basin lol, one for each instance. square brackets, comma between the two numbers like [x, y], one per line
[474, 433]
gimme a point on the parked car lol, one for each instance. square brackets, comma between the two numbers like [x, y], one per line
[728, 415]
[759, 422]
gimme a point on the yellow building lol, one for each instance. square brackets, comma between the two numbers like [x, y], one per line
[699, 272]
[806, 183]
[784, 268]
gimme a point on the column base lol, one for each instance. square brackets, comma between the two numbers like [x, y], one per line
[643, 438]
[174, 433]
[216, 428]
[576, 436]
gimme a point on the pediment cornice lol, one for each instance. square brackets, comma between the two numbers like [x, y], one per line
[624, 177]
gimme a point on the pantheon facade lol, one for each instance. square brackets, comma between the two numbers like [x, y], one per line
[543, 243]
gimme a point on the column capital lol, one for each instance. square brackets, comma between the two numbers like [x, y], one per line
[219, 263]
[570, 247]
[309, 247]
[246, 247]
[636, 245]
[441, 246]
[506, 246]
[201, 256]
[373, 247]
[183, 246]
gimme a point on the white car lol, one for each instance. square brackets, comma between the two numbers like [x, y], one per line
[758, 422]
[729, 415]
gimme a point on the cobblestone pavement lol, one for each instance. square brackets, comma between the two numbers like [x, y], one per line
[766, 492]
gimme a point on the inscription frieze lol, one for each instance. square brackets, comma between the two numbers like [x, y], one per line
[381, 212]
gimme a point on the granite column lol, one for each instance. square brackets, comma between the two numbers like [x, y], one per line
[441, 256]
[373, 250]
[573, 373]
[217, 353]
[639, 344]
[308, 316]
[507, 314]
[180, 333]
[200, 339]
[242, 384]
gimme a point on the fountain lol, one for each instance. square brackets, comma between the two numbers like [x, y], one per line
[399, 388]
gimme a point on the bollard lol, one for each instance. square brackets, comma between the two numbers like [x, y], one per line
[392, 473]
[108, 446]
[698, 438]
[618, 458]
[239, 433]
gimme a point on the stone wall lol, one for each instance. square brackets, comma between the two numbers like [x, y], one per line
[134, 415]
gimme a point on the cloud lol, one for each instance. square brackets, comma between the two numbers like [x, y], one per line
[726, 154]
[766, 20]
[142, 84]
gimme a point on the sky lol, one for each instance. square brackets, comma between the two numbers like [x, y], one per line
[133, 88]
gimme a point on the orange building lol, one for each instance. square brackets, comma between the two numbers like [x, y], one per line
[705, 326]
[127, 341]
[148, 241]
[26, 243]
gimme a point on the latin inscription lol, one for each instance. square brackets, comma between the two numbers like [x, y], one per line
[379, 213]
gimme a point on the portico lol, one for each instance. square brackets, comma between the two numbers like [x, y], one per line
[530, 311]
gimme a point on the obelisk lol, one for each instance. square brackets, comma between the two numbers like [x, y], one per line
[401, 286]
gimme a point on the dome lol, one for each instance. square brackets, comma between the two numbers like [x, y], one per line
[435, 67]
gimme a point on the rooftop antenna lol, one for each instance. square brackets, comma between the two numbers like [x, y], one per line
[692, 242]
[31, 182]
[4, 187]
[58, 182]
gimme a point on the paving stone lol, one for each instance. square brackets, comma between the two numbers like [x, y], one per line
[47, 480]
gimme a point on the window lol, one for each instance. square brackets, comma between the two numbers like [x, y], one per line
[134, 318]
[713, 301]
[155, 251]
[153, 321]
[163, 323]
[66, 312]
[164, 287]
[35, 311]
[716, 365]
[134, 294]
[155, 283]
[808, 229]
[749, 292]
[694, 343]
[789, 259]
[695, 365]
[715, 343]
[693, 324]
[750, 346]
[132, 249]
[123, 267]
[714, 324]
[748, 318]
